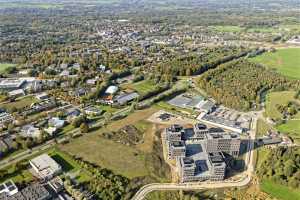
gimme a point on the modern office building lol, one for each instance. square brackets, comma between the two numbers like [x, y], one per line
[198, 151]
[223, 142]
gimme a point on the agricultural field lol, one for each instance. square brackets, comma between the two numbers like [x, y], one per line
[285, 61]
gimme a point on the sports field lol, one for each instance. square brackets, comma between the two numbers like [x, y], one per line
[285, 61]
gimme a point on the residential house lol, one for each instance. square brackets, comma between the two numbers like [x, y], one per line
[30, 131]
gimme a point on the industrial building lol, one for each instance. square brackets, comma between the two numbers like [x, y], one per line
[45, 167]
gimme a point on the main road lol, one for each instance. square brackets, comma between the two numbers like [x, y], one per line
[243, 181]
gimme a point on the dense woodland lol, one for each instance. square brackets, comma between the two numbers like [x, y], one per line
[198, 63]
[282, 165]
[240, 84]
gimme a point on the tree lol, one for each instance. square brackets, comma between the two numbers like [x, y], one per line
[84, 128]
[288, 169]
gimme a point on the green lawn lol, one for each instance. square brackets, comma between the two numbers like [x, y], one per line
[291, 127]
[69, 165]
[142, 87]
[108, 108]
[263, 30]
[279, 191]
[275, 98]
[285, 61]
[162, 105]
[4, 66]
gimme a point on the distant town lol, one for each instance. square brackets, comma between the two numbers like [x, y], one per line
[149, 100]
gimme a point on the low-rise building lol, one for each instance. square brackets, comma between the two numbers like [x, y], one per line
[5, 118]
[92, 110]
[16, 93]
[11, 83]
[56, 122]
[42, 96]
[125, 98]
[8, 188]
[45, 167]
[111, 89]
[30, 131]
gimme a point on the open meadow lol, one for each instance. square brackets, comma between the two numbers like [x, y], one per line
[277, 98]
[285, 61]
[127, 160]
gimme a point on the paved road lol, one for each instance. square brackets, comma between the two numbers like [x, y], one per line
[27, 153]
[142, 193]
[246, 178]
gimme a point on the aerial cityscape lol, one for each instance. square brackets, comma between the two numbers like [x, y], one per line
[149, 100]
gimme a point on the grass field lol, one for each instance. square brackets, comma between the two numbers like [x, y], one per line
[261, 156]
[274, 98]
[20, 103]
[262, 127]
[119, 158]
[107, 108]
[285, 61]
[234, 29]
[69, 165]
[4, 66]
[126, 160]
[141, 87]
[279, 191]
[166, 106]
[292, 126]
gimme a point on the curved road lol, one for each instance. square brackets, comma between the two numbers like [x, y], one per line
[142, 193]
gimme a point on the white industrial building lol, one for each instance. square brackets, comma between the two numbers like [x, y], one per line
[45, 167]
